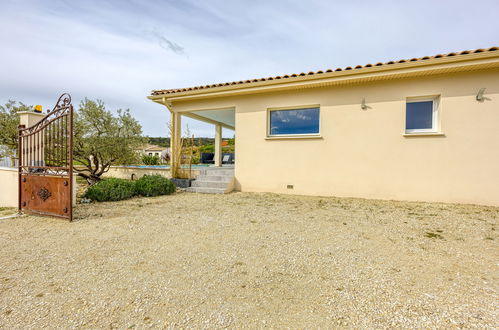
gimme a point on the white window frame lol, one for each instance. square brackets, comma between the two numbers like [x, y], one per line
[301, 107]
[435, 120]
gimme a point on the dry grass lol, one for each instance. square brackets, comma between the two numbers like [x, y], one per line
[252, 260]
[7, 211]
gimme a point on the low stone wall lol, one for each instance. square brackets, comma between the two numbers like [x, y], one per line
[9, 191]
[133, 173]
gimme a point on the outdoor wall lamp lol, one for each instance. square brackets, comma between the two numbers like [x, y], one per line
[363, 105]
[480, 97]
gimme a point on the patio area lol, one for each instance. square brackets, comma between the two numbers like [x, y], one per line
[252, 260]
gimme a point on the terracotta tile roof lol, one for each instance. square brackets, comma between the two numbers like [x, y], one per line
[151, 147]
[180, 90]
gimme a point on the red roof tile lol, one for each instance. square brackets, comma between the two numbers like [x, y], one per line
[179, 90]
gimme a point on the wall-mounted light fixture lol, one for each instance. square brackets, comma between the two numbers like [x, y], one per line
[363, 105]
[480, 97]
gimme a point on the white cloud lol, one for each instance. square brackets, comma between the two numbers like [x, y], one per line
[118, 51]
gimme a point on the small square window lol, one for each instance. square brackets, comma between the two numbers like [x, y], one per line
[421, 115]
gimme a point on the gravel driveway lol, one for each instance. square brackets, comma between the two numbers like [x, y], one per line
[252, 260]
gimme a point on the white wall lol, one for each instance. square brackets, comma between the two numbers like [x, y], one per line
[9, 190]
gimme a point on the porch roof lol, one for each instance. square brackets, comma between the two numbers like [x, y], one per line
[224, 117]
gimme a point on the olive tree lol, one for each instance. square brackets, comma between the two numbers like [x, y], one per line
[9, 122]
[102, 139]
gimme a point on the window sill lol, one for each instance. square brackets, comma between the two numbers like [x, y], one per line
[294, 137]
[423, 134]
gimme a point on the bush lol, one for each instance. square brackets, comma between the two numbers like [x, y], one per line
[154, 185]
[111, 189]
[150, 160]
[195, 159]
[207, 148]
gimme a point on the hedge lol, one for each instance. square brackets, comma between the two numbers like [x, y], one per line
[154, 185]
[113, 189]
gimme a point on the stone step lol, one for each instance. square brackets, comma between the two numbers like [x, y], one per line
[218, 172]
[212, 181]
[203, 190]
[219, 178]
[209, 184]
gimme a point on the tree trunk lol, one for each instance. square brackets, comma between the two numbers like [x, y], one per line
[91, 178]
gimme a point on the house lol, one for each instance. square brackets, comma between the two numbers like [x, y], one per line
[153, 150]
[424, 129]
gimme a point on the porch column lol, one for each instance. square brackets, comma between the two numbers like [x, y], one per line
[218, 145]
[176, 136]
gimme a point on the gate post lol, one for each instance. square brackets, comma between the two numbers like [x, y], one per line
[29, 118]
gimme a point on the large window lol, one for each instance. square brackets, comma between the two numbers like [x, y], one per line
[421, 115]
[303, 121]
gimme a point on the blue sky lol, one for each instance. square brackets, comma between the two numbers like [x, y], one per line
[118, 51]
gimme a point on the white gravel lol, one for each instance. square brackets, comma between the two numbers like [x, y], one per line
[252, 260]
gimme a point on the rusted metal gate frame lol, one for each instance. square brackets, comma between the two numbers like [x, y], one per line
[33, 144]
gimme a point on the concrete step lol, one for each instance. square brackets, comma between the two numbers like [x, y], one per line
[209, 184]
[212, 181]
[218, 172]
[219, 178]
[203, 190]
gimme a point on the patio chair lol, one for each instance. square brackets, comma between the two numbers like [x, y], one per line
[228, 158]
[207, 158]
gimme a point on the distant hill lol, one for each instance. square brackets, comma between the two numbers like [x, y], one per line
[165, 141]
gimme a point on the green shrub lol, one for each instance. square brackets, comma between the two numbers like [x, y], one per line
[111, 189]
[150, 160]
[207, 148]
[154, 185]
[195, 159]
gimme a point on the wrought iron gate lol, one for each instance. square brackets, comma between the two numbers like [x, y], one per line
[45, 153]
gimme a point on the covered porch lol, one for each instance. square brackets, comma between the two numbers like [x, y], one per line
[219, 177]
[222, 118]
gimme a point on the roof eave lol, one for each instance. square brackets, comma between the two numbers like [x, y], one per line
[396, 70]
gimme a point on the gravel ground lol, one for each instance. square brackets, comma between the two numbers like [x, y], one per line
[252, 260]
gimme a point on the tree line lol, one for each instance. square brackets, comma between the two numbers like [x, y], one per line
[101, 138]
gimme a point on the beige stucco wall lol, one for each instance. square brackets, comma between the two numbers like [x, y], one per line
[363, 153]
[9, 191]
[30, 118]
